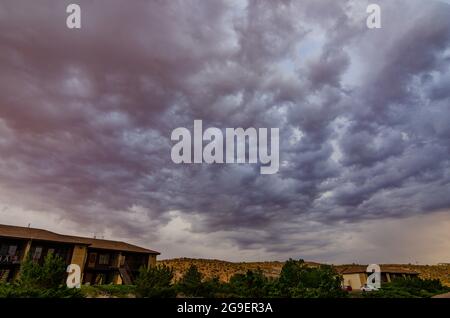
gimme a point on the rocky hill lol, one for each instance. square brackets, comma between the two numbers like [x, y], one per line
[224, 270]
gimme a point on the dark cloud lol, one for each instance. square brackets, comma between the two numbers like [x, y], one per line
[86, 115]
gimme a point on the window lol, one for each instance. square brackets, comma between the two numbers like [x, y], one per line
[37, 253]
[103, 259]
[12, 250]
[92, 259]
[9, 253]
[4, 249]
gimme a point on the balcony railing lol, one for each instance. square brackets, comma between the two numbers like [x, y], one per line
[9, 259]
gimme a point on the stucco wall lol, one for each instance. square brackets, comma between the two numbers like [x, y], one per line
[353, 280]
[79, 256]
[151, 260]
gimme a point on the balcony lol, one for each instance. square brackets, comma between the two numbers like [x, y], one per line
[9, 260]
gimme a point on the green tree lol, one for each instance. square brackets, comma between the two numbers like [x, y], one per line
[50, 275]
[155, 281]
[409, 288]
[252, 284]
[191, 282]
[40, 281]
[297, 279]
[319, 282]
[213, 288]
[290, 276]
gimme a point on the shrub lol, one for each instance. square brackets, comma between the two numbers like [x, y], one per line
[155, 282]
[297, 279]
[38, 281]
[253, 284]
[120, 291]
[191, 282]
[290, 276]
[48, 276]
[21, 291]
[409, 288]
[213, 288]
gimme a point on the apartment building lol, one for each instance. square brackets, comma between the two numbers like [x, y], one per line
[101, 261]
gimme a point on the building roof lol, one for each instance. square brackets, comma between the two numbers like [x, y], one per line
[355, 269]
[116, 245]
[20, 232]
[36, 234]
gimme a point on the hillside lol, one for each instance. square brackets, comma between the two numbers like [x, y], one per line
[224, 270]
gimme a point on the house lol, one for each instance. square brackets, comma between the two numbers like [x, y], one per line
[101, 261]
[356, 276]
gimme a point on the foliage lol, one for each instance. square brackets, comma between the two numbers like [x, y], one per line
[290, 276]
[191, 282]
[21, 291]
[299, 280]
[296, 280]
[119, 291]
[213, 288]
[155, 282]
[409, 288]
[48, 276]
[253, 284]
[40, 281]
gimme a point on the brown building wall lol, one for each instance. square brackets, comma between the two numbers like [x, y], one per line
[151, 260]
[26, 251]
[79, 255]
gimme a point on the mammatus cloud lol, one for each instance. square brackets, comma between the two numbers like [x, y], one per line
[86, 117]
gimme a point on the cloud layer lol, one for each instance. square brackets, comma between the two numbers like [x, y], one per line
[86, 117]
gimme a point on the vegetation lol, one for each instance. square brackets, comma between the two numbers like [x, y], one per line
[40, 281]
[156, 282]
[50, 275]
[296, 279]
[193, 284]
[252, 284]
[211, 268]
[409, 288]
[109, 291]
[302, 281]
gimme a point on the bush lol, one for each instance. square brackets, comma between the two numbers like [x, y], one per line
[253, 284]
[20, 291]
[297, 279]
[119, 291]
[191, 282]
[213, 288]
[416, 284]
[290, 276]
[38, 281]
[409, 288]
[48, 276]
[155, 282]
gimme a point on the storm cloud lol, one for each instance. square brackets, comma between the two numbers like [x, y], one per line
[86, 117]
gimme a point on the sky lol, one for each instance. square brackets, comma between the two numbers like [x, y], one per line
[86, 117]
